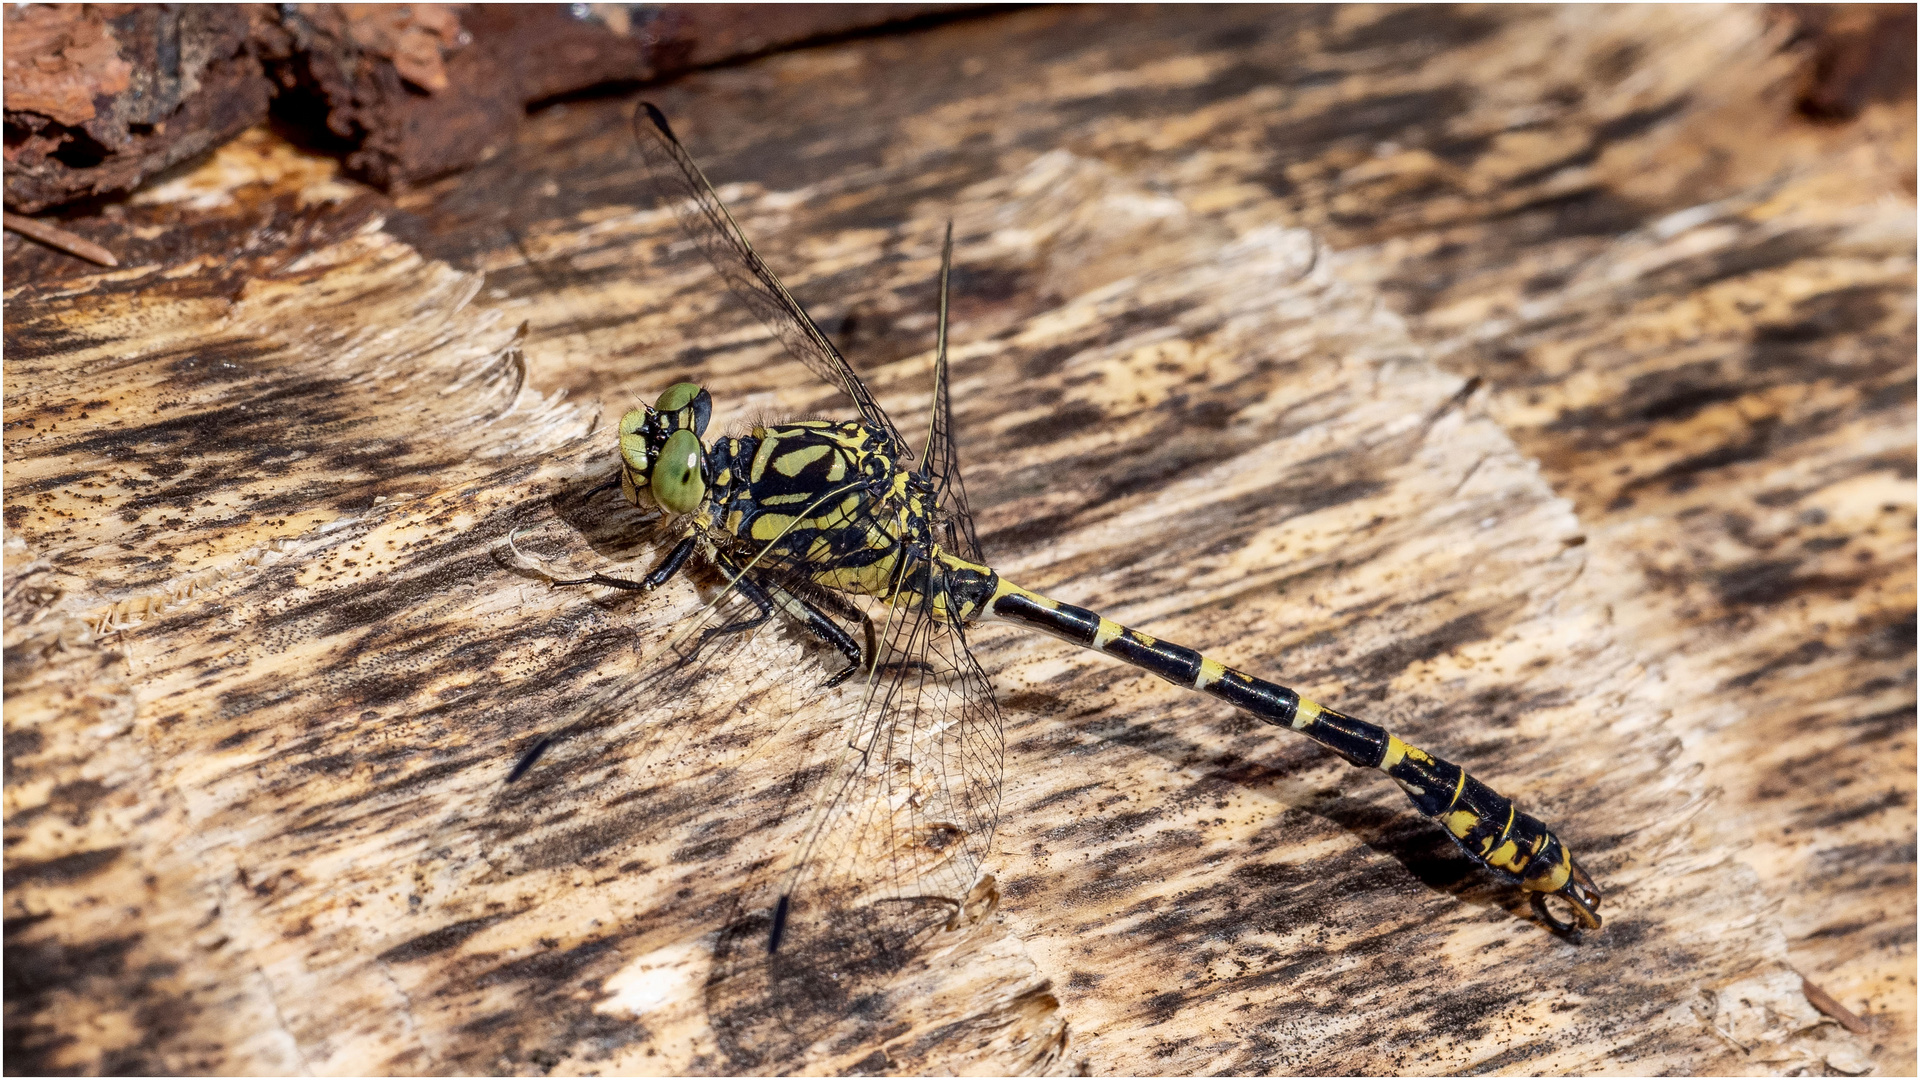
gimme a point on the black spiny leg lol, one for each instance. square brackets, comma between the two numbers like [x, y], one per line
[836, 603]
[667, 568]
[817, 624]
[764, 594]
[750, 589]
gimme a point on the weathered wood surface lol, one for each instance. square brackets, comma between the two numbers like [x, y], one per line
[1222, 281]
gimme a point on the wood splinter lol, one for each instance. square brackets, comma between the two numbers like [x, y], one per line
[1826, 1003]
[60, 239]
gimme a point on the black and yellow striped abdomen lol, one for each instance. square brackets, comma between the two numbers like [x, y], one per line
[1483, 822]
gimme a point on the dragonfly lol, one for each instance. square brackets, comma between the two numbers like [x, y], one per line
[809, 520]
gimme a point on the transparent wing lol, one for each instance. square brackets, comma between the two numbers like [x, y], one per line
[705, 781]
[912, 814]
[942, 459]
[696, 719]
[909, 807]
[679, 724]
[682, 185]
[898, 831]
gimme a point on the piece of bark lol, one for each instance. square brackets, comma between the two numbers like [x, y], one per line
[100, 96]
[558, 51]
[60, 239]
[424, 89]
[1826, 1003]
[407, 89]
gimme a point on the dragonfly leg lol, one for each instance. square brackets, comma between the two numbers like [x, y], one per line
[866, 663]
[667, 568]
[670, 565]
[766, 594]
[749, 588]
[816, 622]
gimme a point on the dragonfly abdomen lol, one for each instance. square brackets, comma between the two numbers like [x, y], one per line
[1483, 822]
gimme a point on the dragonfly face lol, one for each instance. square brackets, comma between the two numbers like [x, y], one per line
[663, 461]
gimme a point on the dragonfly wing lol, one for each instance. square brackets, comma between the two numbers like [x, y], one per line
[942, 458]
[943, 468]
[681, 184]
[923, 805]
[635, 772]
[661, 720]
[899, 830]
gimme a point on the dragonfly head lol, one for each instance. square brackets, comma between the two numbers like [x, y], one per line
[663, 462]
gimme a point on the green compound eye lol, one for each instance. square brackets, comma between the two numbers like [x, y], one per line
[677, 397]
[633, 451]
[677, 485]
[633, 444]
[686, 395]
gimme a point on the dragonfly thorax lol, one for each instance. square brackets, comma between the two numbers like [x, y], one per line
[828, 499]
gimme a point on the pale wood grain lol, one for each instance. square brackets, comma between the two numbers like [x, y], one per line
[267, 663]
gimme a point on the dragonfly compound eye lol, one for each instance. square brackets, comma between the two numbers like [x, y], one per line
[687, 395]
[677, 483]
[633, 442]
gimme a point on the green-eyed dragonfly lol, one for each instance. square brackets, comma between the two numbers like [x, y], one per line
[798, 517]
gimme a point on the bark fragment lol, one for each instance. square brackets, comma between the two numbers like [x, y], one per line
[100, 96]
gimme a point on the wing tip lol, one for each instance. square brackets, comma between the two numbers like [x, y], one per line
[779, 929]
[656, 118]
[527, 759]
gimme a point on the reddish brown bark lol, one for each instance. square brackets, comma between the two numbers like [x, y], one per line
[100, 96]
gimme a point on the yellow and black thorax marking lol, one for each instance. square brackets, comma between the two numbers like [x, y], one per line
[832, 501]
